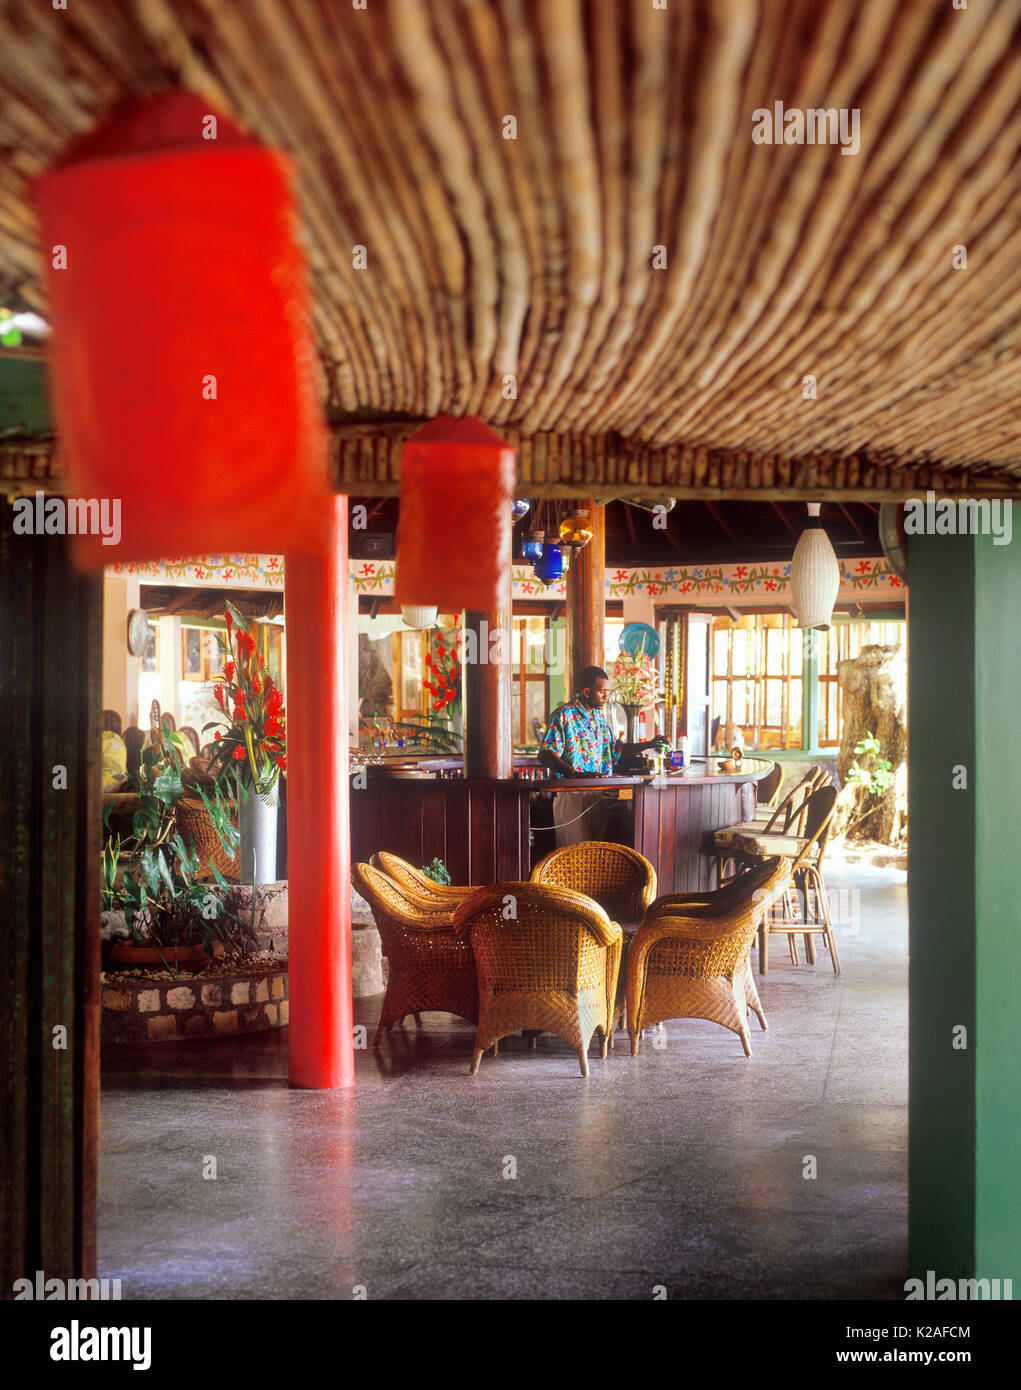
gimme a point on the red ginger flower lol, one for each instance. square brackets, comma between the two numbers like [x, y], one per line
[239, 753]
[228, 671]
[256, 685]
[281, 762]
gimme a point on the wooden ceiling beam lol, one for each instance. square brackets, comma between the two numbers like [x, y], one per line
[716, 514]
[851, 519]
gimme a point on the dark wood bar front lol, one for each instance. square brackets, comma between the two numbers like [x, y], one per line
[480, 827]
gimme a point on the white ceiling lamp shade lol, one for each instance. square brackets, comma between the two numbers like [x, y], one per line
[419, 615]
[815, 574]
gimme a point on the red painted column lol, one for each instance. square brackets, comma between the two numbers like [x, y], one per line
[318, 825]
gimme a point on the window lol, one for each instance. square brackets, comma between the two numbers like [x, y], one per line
[529, 686]
[843, 641]
[757, 679]
[201, 658]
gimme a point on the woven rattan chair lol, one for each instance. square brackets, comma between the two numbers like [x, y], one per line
[618, 878]
[736, 844]
[552, 967]
[804, 910]
[690, 960]
[767, 789]
[196, 829]
[418, 885]
[430, 966]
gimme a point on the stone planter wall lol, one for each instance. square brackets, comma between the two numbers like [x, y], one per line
[191, 1007]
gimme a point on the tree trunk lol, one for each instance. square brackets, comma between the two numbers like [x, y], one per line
[874, 686]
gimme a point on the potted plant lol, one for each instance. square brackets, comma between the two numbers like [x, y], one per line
[250, 745]
[634, 687]
[171, 918]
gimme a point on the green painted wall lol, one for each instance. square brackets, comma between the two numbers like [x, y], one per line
[964, 886]
[941, 895]
[998, 904]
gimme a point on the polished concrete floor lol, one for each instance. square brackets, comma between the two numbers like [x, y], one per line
[687, 1168]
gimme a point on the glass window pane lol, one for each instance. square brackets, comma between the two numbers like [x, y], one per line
[192, 651]
[774, 703]
[741, 709]
[741, 653]
[535, 708]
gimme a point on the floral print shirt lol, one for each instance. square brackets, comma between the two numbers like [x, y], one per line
[582, 737]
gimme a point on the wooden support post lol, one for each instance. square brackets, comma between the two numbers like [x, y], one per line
[488, 647]
[51, 671]
[586, 600]
[319, 847]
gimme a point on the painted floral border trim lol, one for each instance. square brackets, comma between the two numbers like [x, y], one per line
[377, 577]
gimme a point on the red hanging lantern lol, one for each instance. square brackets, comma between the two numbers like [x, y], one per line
[183, 368]
[454, 540]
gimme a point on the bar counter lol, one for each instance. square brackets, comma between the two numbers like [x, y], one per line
[480, 828]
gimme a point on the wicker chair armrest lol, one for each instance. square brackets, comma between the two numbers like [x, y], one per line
[591, 915]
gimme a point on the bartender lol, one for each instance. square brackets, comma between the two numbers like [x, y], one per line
[580, 743]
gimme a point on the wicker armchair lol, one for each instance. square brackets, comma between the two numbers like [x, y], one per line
[430, 966]
[416, 885]
[551, 968]
[691, 960]
[196, 829]
[618, 878]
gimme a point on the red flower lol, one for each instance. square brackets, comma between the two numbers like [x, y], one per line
[218, 693]
[230, 622]
[239, 753]
[257, 685]
[228, 671]
[218, 734]
[428, 659]
[281, 762]
[272, 724]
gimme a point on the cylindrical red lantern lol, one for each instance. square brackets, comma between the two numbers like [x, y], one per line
[183, 366]
[454, 539]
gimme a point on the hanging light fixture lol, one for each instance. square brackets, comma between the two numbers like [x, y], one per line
[531, 545]
[549, 568]
[576, 529]
[419, 615]
[815, 574]
[182, 337]
[520, 507]
[457, 481]
[566, 554]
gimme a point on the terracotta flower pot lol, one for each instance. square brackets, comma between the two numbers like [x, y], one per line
[134, 957]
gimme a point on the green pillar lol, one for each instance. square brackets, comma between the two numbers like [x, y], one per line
[964, 884]
[810, 688]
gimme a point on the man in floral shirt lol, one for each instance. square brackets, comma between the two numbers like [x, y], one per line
[580, 743]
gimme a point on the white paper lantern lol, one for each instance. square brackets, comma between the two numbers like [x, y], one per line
[815, 575]
[419, 615]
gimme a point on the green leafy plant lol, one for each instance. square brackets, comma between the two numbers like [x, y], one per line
[876, 776]
[428, 732]
[162, 903]
[437, 871]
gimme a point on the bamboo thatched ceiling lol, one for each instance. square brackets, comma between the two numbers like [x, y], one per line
[533, 257]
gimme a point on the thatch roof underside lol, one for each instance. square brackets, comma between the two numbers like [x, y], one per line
[533, 257]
